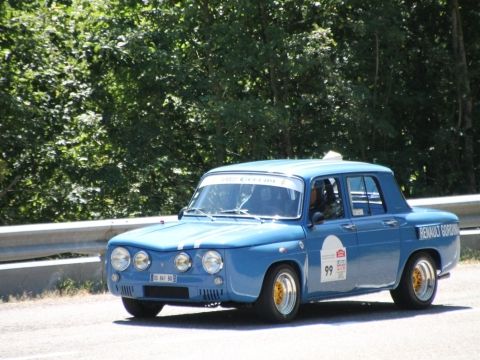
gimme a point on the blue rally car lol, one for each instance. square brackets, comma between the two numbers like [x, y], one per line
[275, 234]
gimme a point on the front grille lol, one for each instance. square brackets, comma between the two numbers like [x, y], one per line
[126, 290]
[211, 294]
[168, 292]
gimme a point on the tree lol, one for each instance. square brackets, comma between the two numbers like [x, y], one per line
[115, 108]
[52, 140]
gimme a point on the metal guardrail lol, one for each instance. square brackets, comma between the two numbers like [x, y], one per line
[26, 242]
[19, 243]
[466, 207]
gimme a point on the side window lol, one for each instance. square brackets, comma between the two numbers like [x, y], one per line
[365, 197]
[325, 197]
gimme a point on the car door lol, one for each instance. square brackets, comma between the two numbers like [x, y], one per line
[378, 233]
[330, 244]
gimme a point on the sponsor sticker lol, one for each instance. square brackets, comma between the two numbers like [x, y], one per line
[333, 260]
[437, 231]
[254, 179]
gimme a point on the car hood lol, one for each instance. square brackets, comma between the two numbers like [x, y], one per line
[195, 235]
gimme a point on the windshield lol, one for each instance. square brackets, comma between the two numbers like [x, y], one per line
[254, 195]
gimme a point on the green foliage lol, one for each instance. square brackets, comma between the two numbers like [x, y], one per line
[115, 108]
[53, 142]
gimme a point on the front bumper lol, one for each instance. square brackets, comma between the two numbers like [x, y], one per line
[163, 282]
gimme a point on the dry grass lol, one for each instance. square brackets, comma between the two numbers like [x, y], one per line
[470, 256]
[65, 288]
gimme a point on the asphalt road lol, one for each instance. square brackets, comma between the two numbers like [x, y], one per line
[368, 327]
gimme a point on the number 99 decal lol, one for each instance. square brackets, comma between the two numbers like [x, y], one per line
[328, 270]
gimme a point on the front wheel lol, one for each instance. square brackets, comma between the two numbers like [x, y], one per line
[418, 285]
[141, 308]
[279, 299]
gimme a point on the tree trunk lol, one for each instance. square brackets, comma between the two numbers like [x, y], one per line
[216, 90]
[278, 98]
[464, 95]
[10, 186]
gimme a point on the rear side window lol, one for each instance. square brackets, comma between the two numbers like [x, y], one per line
[365, 196]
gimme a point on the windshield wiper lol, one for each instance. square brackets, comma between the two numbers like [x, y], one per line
[242, 212]
[201, 212]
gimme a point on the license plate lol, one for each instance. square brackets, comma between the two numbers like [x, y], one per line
[164, 278]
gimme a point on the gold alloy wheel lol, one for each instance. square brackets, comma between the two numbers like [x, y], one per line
[417, 280]
[284, 293]
[278, 293]
[423, 279]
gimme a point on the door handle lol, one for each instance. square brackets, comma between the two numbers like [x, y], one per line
[390, 223]
[349, 227]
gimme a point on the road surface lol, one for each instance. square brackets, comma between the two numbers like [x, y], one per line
[367, 327]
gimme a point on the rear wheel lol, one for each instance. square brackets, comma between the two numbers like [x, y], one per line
[418, 285]
[141, 308]
[279, 299]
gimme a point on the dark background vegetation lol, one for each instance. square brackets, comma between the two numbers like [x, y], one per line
[114, 108]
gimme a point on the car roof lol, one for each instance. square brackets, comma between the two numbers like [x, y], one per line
[305, 168]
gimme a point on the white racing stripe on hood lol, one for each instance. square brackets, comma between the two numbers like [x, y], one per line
[197, 242]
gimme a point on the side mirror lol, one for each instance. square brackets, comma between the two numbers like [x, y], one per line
[317, 218]
[180, 213]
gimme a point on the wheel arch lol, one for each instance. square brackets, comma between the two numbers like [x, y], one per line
[434, 253]
[295, 265]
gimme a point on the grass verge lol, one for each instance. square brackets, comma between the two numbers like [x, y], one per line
[65, 287]
[469, 256]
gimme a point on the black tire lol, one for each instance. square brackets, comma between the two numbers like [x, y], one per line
[418, 285]
[141, 308]
[279, 299]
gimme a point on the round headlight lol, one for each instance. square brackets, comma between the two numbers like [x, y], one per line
[183, 262]
[120, 258]
[212, 262]
[141, 260]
